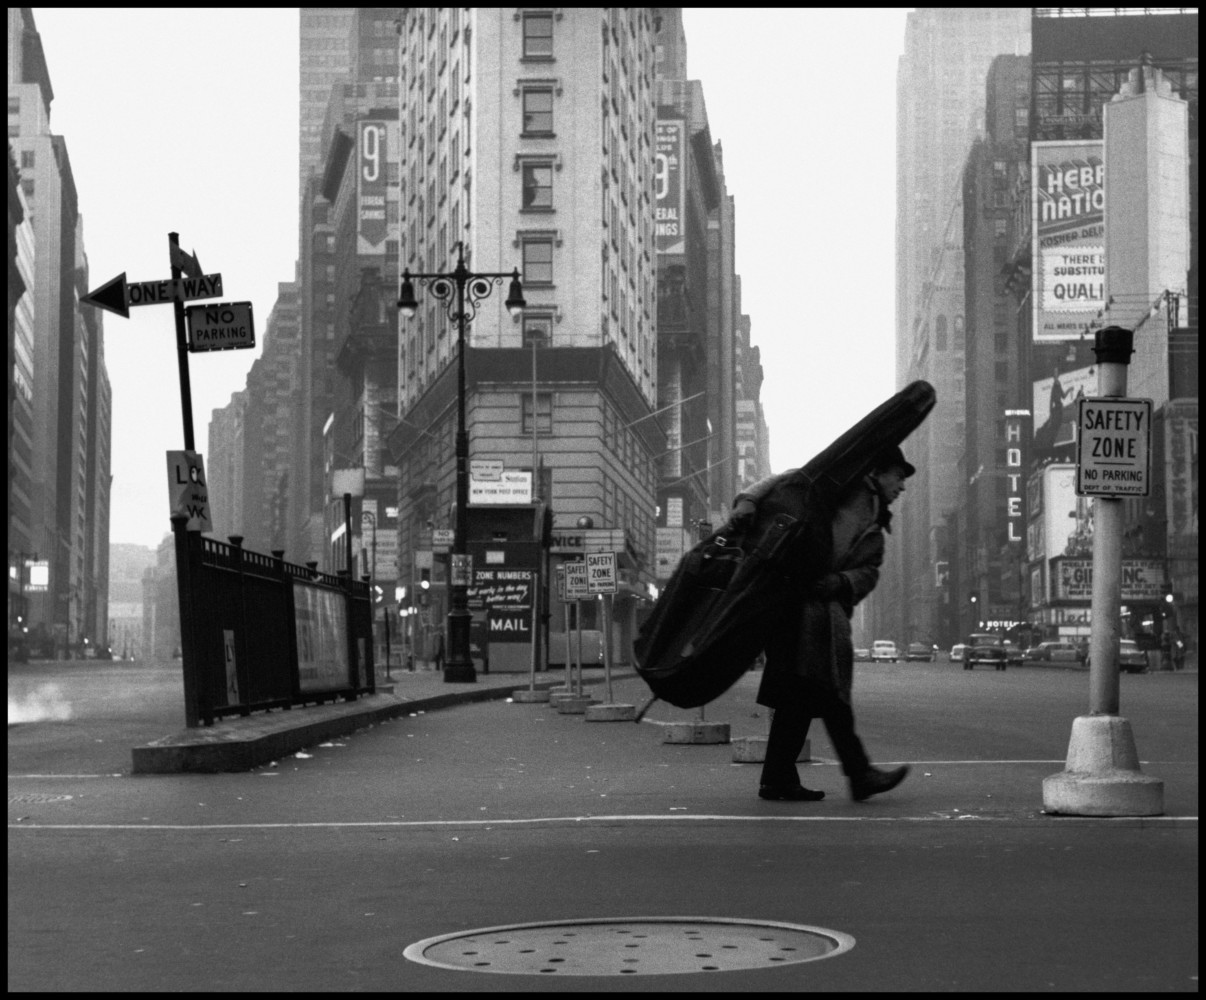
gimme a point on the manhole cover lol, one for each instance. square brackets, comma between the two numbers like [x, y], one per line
[630, 946]
[36, 798]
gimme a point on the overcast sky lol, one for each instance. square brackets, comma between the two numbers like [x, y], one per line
[186, 120]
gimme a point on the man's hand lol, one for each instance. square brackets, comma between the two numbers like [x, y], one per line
[832, 587]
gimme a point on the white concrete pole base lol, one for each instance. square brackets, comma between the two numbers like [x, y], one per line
[695, 732]
[556, 697]
[1102, 776]
[611, 713]
[752, 750]
[574, 705]
[529, 697]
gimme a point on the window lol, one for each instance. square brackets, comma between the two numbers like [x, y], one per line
[538, 111]
[538, 36]
[537, 327]
[537, 186]
[538, 261]
[544, 412]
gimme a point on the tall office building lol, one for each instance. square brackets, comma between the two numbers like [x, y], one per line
[71, 399]
[940, 97]
[325, 58]
[528, 141]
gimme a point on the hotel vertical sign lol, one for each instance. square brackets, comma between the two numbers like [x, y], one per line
[1017, 437]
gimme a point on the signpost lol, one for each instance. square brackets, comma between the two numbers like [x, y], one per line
[576, 588]
[187, 490]
[1113, 447]
[221, 326]
[601, 579]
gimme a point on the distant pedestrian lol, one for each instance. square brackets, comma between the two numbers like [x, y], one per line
[810, 656]
[439, 650]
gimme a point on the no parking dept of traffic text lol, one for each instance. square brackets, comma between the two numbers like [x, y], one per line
[221, 326]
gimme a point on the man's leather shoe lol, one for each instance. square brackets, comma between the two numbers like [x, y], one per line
[873, 781]
[790, 794]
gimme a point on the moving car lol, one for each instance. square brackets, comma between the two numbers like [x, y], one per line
[920, 651]
[862, 655]
[1131, 659]
[1013, 652]
[985, 648]
[957, 651]
[1055, 652]
[884, 649]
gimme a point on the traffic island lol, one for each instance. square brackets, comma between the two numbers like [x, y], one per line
[1102, 776]
[530, 697]
[611, 713]
[575, 704]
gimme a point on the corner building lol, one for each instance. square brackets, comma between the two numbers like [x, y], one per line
[528, 138]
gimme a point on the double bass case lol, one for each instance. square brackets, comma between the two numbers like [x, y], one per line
[709, 623]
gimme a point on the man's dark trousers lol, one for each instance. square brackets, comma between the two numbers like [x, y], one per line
[789, 730]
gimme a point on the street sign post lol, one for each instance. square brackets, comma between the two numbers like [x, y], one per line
[187, 490]
[1113, 447]
[601, 572]
[220, 326]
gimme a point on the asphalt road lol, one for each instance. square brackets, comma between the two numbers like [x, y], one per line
[316, 873]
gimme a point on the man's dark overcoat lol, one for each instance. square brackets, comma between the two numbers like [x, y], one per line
[811, 648]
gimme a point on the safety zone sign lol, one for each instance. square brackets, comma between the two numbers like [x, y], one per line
[576, 588]
[1113, 447]
[220, 326]
[187, 491]
[601, 572]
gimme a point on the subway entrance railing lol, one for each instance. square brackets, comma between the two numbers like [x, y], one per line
[259, 633]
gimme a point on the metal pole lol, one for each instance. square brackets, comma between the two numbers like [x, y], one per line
[607, 609]
[186, 392]
[578, 619]
[459, 665]
[1113, 349]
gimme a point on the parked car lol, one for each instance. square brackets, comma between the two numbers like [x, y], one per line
[957, 651]
[1131, 659]
[920, 651]
[862, 656]
[1055, 652]
[884, 649]
[985, 648]
[1013, 652]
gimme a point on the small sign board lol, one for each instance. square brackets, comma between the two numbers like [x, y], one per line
[461, 574]
[486, 468]
[1113, 447]
[509, 487]
[442, 537]
[576, 588]
[220, 326]
[601, 572]
[187, 491]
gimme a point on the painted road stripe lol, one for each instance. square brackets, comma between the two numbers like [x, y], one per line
[550, 820]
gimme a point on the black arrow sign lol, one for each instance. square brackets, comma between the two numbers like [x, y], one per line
[111, 295]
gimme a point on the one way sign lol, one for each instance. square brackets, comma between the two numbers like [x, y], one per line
[187, 492]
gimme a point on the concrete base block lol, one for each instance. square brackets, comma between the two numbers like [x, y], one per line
[575, 705]
[1102, 777]
[611, 713]
[695, 732]
[752, 750]
[556, 696]
[529, 697]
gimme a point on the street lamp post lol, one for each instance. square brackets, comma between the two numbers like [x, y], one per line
[460, 290]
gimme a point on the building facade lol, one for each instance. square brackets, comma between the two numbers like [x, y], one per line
[69, 455]
[940, 88]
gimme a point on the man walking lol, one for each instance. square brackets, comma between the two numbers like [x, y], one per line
[810, 656]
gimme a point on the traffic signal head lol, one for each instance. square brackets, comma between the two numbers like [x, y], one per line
[425, 578]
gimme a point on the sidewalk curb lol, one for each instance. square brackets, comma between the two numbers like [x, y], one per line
[245, 743]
